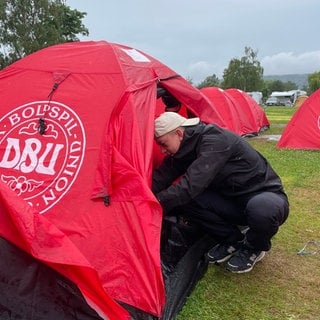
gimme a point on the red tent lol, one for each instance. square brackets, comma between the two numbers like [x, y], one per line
[303, 130]
[226, 108]
[248, 108]
[240, 112]
[76, 154]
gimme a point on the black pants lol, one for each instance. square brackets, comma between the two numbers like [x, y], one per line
[221, 216]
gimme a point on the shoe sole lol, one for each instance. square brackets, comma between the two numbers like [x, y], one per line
[259, 258]
[218, 262]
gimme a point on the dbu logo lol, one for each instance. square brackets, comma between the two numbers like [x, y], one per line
[41, 167]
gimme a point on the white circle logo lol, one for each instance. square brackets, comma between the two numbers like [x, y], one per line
[42, 147]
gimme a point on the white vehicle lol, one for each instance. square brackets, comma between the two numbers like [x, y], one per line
[273, 101]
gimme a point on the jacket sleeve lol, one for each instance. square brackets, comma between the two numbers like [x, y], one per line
[213, 153]
[165, 175]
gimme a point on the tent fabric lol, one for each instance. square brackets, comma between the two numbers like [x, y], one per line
[250, 108]
[239, 111]
[32, 290]
[76, 154]
[182, 255]
[226, 108]
[17, 301]
[303, 129]
[299, 101]
[31, 232]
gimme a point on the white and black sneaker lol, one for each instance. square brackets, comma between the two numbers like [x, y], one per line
[244, 260]
[222, 252]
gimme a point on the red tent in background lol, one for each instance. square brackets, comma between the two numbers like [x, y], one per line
[248, 108]
[240, 112]
[303, 130]
[225, 107]
[76, 154]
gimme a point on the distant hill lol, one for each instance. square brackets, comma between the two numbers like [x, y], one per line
[300, 79]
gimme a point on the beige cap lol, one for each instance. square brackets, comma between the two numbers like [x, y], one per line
[169, 121]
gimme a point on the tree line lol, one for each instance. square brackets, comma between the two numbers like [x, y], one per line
[246, 74]
[28, 26]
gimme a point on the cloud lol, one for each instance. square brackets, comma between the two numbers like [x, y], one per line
[289, 63]
[199, 38]
[200, 70]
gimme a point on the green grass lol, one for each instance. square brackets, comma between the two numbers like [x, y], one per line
[284, 285]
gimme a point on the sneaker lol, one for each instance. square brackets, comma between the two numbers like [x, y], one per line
[222, 252]
[244, 260]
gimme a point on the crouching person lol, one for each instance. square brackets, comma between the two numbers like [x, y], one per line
[223, 184]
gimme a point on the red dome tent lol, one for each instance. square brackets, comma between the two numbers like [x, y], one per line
[240, 112]
[225, 107]
[303, 130]
[76, 155]
[255, 118]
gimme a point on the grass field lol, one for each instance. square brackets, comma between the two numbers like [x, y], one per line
[284, 285]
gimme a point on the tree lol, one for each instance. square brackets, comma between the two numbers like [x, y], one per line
[211, 81]
[27, 26]
[314, 81]
[276, 85]
[245, 73]
[189, 79]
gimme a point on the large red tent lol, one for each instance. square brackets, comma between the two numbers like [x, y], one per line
[76, 157]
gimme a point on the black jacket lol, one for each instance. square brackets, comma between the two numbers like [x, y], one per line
[214, 158]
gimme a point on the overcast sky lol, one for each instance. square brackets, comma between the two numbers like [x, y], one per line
[198, 38]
